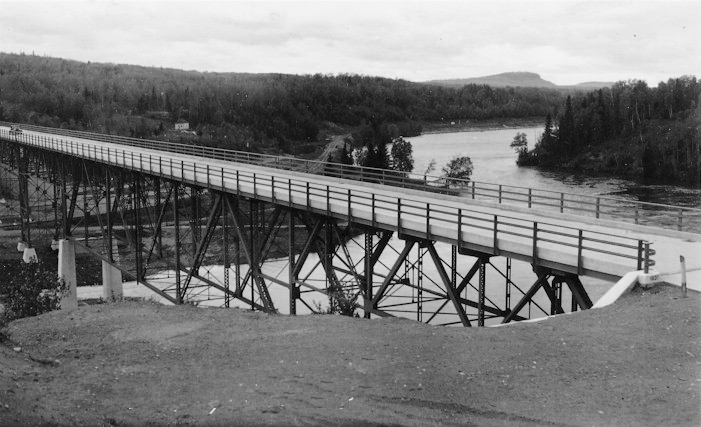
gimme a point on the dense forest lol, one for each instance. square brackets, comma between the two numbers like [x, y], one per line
[263, 111]
[629, 129]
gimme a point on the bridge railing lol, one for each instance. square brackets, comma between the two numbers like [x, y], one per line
[406, 213]
[678, 218]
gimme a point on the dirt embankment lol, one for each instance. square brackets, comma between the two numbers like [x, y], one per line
[134, 363]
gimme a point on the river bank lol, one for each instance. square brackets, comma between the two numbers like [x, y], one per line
[481, 125]
[635, 363]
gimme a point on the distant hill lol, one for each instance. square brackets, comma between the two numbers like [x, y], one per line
[589, 85]
[517, 79]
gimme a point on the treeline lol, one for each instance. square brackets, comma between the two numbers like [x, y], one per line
[629, 129]
[241, 110]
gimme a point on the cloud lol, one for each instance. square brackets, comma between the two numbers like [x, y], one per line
[564, 41]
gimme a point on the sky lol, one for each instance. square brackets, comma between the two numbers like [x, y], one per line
[566, 42]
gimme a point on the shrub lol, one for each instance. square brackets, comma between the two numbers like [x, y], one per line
[29, 289]
[341, 301]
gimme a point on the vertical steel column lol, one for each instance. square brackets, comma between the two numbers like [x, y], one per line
[64, 203]
[419, 283]
[86, 231]
[157, 190]
[368, 275]
[507, 293]
[176, 230]
[56, 182]
[237, 251]
[227, 262]
[253, 242]
[328, 256]
[23, 195]
[292, 275]
[482, 290]
[454, 268]
[137, 228]
[108, 213]
[194, 217]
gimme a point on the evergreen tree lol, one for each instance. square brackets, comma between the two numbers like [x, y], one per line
[566, 130]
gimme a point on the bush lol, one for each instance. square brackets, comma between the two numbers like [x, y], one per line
[28, 290]
[341, 301]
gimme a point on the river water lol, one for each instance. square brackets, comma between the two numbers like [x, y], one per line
[494, 162]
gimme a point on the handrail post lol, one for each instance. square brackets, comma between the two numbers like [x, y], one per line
[640, 255]
[679, 223]
[399, 216]
[428, 221]
[372, 210]
[598, 205]
[459, 228]
[535, 243]
[580, 247]
[530, 197]
[473, 189]
[495, 248]
[647, 258]
[500, 186]
[562, 202]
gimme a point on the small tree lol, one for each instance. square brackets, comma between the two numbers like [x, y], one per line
[458, 170]
[430, 168]
[520, 145]
[341, 301]
[402, 155]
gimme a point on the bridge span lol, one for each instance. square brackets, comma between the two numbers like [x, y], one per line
[148, 207]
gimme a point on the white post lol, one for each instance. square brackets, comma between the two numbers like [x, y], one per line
[681, 258]
[66, 271]
[112, 277]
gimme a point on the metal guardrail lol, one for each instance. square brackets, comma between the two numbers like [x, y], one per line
[604, 207]
[404, 213]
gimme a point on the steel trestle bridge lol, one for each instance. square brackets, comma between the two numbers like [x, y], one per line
[197, 223]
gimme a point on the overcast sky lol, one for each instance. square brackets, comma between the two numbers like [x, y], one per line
[566, 42]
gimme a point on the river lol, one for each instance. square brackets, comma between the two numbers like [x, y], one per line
[495, 162]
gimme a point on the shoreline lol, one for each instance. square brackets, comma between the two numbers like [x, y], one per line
[479, 126]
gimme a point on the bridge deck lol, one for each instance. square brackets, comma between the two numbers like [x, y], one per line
[566, 243]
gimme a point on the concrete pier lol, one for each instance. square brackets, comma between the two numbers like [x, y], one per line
[66, 271]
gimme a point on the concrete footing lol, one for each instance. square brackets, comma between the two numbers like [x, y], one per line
[111, 276]
[111, 282]
[66, 271]
[30, 255]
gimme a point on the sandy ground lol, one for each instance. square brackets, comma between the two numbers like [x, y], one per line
[637, 362]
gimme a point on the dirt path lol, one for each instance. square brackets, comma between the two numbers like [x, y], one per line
[133, 363]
